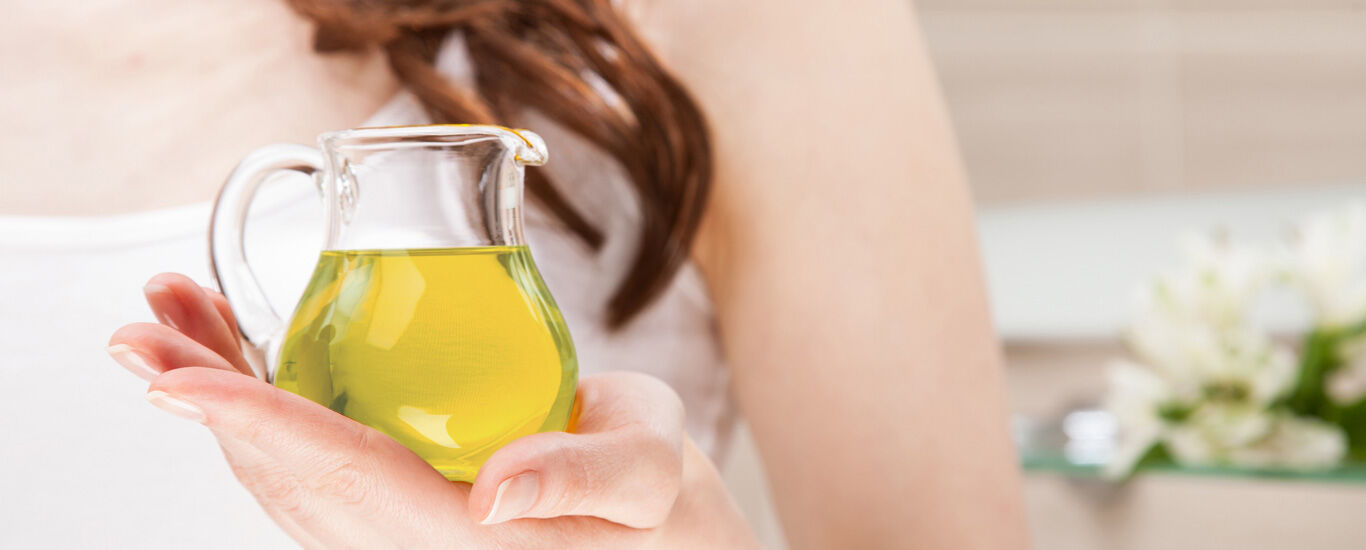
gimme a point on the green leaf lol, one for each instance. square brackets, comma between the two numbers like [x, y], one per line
[1157, 455]
[1318, 358]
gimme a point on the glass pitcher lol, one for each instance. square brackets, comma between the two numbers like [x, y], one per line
[426, 317]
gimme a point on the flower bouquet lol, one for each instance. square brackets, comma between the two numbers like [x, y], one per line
[1209, 386]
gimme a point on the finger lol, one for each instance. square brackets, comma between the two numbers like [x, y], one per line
[625, 466]
[149, 349]
[181, 304]
[333, 476]
[220, 303]
[332, 455]
[251, 355]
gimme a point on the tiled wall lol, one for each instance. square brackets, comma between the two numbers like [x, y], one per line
[1067, 98]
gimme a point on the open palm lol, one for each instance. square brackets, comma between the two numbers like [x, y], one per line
[628, 477]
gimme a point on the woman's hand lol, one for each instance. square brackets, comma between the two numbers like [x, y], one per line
[629, 476]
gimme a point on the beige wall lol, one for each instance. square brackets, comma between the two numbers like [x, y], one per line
[1064, 98]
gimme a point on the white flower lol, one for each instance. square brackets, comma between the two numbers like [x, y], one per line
[1194, 358]
[1232, 423]
[1214, 430]
[1294, 442]
[1135, 399]
[1329, 264]
[1347, 384]
[1208, 378]
[1254, 437]
[1217, 285]
[1191, 324]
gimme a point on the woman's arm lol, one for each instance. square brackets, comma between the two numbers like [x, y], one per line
[839, 245]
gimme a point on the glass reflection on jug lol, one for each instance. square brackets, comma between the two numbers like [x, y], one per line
[425, 317]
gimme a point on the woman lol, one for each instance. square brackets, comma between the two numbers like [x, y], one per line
[824, 212]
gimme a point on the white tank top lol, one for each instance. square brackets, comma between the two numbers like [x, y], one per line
[89, 464]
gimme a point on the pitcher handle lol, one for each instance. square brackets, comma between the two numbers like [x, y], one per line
[256, 319]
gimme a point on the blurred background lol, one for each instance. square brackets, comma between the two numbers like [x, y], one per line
[1096, 132]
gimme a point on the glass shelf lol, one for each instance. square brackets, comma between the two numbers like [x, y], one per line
[1078, 443]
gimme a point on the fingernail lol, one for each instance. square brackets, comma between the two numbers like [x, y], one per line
[125, 355]
[157, 288]
[175, 405]
[516, 495]
[166, 321]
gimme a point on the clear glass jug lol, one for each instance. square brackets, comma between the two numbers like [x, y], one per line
[426, 317]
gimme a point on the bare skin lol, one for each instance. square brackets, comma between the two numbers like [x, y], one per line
[838, 244]
[119, 106]
[628, 477]
[840, 251]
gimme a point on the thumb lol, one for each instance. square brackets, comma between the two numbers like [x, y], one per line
[624, 466]
[330, 456]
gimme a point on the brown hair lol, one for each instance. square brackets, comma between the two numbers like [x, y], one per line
[541, 54]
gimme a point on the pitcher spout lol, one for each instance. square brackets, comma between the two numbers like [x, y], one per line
[530, 150]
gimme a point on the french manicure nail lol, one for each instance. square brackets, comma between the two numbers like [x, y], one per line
[175, 405]
[157, 288]
[166, 321]
[516, 495]
[125, 355]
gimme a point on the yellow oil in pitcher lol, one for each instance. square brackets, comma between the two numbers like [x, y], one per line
[453, 352]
